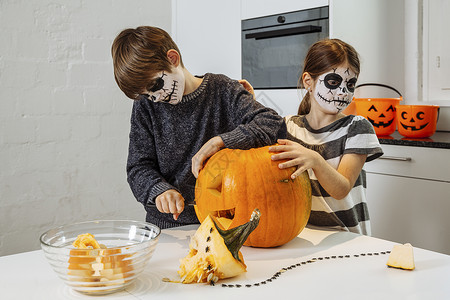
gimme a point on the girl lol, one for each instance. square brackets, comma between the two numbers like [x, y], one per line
[331, 146]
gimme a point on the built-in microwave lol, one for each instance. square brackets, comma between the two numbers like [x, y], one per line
[274, 47]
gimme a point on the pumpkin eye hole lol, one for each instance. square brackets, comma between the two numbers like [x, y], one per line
[404, 117]
[420, 115]
[390, 108]
[373, 108]
[215, 185]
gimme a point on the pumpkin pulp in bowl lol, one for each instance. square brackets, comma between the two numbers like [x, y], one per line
[111, 262]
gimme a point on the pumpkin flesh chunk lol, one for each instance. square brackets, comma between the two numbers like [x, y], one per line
[402, 257]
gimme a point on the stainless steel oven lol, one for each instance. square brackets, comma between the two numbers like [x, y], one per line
[274, 47]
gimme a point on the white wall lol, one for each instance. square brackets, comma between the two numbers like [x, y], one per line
[375, 28]
[63, 121]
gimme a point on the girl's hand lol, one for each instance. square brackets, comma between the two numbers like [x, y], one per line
[296, 155]
[337, 183]
[205, 152]
[247, 86]
[170, 202]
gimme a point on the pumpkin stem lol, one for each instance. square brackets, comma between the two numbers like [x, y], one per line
[234, 238]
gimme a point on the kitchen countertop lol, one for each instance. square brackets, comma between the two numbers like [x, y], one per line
[440, 139]
[331, 266]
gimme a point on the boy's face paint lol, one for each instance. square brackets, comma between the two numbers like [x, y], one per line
[334, 90]
[168, 87]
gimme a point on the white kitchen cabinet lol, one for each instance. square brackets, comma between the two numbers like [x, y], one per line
[436, 54]
[208, 34]
[408, 194]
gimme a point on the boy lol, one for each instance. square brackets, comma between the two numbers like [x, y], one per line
[178, 121]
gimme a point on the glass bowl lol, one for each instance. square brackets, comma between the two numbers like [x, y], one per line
[129, 246]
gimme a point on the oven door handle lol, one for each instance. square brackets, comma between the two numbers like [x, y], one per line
[284, 32]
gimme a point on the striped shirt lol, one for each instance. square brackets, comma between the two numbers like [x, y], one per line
[351, 134]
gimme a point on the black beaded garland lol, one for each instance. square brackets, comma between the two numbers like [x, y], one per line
[279, 273]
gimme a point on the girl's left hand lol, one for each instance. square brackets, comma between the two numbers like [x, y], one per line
[296, 156]
[248, 87]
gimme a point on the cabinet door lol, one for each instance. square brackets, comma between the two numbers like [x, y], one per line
[410, 210]
[208, 34]
[436, 50]
[414, 162]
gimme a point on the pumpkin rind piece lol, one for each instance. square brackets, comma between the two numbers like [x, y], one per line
[214, 252]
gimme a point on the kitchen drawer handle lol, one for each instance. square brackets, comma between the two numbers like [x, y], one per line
[396, 158]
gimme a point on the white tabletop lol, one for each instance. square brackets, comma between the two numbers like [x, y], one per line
[332, 275]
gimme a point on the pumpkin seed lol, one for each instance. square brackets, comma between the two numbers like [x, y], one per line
[283, 270]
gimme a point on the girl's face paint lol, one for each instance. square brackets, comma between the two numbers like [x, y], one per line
[334, 89]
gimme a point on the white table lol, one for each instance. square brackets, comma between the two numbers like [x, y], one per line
[332, 275]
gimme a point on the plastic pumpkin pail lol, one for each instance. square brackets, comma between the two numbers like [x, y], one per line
[379, 111]
[417, 121]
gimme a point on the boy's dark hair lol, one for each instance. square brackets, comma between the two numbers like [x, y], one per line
[138, 55]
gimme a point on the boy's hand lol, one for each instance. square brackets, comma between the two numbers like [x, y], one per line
[205, 152]
[171, 202]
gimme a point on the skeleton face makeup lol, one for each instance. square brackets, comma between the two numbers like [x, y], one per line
[334, 90]
[168, 87]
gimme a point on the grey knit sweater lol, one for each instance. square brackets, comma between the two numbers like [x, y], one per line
[165, 137]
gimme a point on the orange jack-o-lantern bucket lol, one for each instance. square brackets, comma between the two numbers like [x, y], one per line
[417, 121]
[379, 111]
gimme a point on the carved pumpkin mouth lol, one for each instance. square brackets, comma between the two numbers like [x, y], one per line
[413, 128]
[225, 217]
[380, 124]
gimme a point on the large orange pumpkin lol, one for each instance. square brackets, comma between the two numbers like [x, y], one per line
[235, 182]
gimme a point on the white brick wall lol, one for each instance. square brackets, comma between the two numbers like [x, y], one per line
[63, 121]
